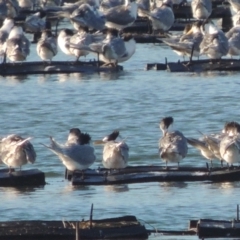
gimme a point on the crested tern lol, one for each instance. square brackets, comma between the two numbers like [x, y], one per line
[76, 153]
[47, 46]
[83, 38]
[235, 5]
[202, 146]
[16, 151]
[214, 43]
[188, 42]
[115, 153]
[233, 36]
[63, 40]
[230, 144]
[17, 46]
[121, 16]
[111, 50]
[35, 23]
[130, 46]
[107, 4]
[201, 9]
[86, 16]
[172, 145]
[162, 17]
[236, 19]
[7, 26]
[208, 146]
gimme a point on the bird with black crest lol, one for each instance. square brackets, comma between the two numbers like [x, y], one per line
[76, 153]
[172, 145]
[115, 153]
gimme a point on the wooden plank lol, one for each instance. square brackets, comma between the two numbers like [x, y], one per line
[140, 174]
[54, 67]
[208, 228]
[202, 65]
[31, 177]
[111, 228]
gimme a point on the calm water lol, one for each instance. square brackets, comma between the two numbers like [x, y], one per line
[132, 101]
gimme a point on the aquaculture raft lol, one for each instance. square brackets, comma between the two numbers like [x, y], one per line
[55, 67]
[140, 174]
[31, 177]
[126, 227]
[197, 65]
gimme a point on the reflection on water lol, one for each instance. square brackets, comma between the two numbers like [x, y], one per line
[173, 184]
[10, 192]
[224, 185]
[12, 80]
[116, 188]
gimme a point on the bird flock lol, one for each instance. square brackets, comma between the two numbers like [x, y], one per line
[97, 25]
[78, 154]
[94, 28]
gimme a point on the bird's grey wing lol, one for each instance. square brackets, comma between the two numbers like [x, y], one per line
[83, 154]
[3, 37]
[50, 44]
[223, 45]
[207, 4]
[180, 142]
[124, 151]
[97, 47]
[119, 15]
[119, 47]
[30, 152]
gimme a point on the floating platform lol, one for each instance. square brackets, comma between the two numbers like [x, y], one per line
[208, 228]
[197, 65]
[141, 174]
[41, 67]
[31, 177]
[126, 227]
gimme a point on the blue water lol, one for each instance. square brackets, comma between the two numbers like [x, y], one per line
[132, 101]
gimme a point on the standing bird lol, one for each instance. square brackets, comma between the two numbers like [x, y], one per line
[230, 144]
[188, 44]
[63, 40]
[162, 17]
[47, 46]
[130, 45]
[35, 23]
[172, 145]
[214, 43]
[233, 36]
[208, 146]
[7, 26]
[235, 5]
[121, 16]
[236, 19]
[83, 38]
[16, 151]
[111, 50]
[87, 16]
[76, 153]
[17, 46]
[201, 9]
[115, 153]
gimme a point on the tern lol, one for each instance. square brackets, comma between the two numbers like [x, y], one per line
[172, 145]
[214, 43]
[121, 16]
[230, 144]
[76, 153]
[16, 151]
[201, 9]
[115, 153]
[47, 46]
[17, 46]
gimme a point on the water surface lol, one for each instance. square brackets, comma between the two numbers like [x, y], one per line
[132, 101]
